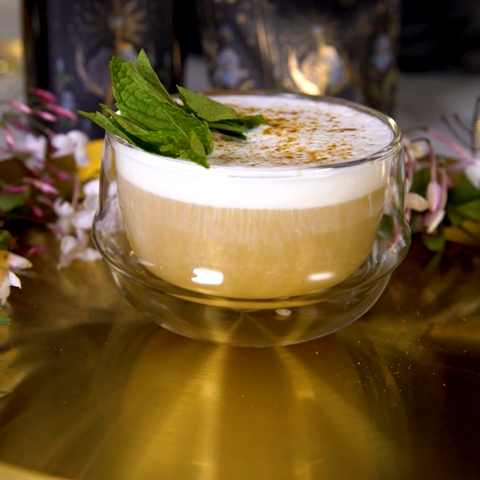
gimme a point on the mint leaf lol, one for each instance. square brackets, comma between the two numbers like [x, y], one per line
[160, 141]
[148, 73]
[204, 107]
[106, 124]
[138, 102]
[219, 117]
[150, 119]
[252, 121]
[231, 128]
[195, 151]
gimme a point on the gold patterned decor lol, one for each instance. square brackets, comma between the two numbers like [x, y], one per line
[68, 45]
[341, 48]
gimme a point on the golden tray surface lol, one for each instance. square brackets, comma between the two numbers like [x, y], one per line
[100, 393]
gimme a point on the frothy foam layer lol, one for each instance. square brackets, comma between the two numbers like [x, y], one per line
[275, 166]
[301, 132]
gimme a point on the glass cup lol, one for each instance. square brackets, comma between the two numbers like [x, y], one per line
[200, 252]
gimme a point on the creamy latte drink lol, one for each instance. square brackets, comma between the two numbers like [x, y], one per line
[292, 210]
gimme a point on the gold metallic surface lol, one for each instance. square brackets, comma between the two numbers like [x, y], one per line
[100, 393]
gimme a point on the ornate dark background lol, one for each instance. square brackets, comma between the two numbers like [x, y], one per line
[435, 35]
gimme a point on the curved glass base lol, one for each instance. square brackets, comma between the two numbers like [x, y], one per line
[251, 327]
[246, 322]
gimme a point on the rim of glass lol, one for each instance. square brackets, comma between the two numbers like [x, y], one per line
[389, 150]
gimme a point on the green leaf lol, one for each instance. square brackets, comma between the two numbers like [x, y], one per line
[196, 151]
[434, 263]
[150, 119]
[9, 202]
[105, 123]
[462, 193]
[204, 107]
[453, 216]
[4, 321]
[5, 239]
[435, 243]
[148, 73]
[237, 128]
[138, 102]
[469, 210]
[162, 142]
[229, 125]
[252, 121]
[420, 180]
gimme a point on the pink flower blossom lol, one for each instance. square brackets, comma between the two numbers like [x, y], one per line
[433, 218]
[10, 142]
[20, 106]
[47, 116]
[19, 125]
[44, 95]
[61, 111]
[12, 189]
[434, 192]
[37, 211]
[43, 186]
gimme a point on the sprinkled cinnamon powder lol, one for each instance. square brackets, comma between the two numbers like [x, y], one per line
[300, 132]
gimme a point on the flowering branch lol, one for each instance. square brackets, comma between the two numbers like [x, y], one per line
[443, 196]
[44, 187]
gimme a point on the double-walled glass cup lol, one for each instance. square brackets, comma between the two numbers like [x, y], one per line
[225, 254]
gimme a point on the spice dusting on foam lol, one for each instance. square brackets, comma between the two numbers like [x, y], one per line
[300, 132]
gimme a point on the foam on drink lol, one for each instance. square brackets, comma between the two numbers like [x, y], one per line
[287, 212]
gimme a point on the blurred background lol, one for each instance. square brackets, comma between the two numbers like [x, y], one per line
[412, 59]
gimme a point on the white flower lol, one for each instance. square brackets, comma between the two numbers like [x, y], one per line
[416, 150]
[71, 143]
[10, 261]
[92, 188]
[16, 262]
[65, 212]
[432, 220]
[472, 172]
[81, 217]
[34, 148]
[76, 248]
[416, 202]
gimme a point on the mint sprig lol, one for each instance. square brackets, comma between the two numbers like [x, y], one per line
[150, 119]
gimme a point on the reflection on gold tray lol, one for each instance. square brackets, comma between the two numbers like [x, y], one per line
[100, 393]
